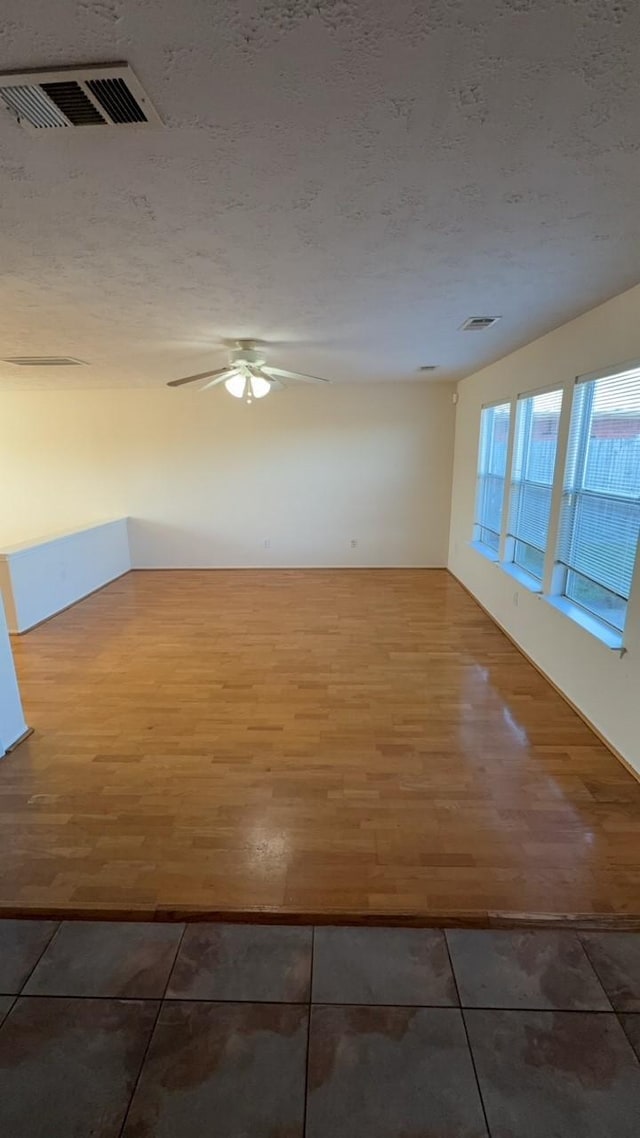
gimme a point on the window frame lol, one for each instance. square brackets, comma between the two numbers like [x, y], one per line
[477, 542]
[550, 589]
[508, 559]
[574, 484]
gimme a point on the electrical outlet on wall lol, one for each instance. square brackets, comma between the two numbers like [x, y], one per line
[267, 543]
[354, 542]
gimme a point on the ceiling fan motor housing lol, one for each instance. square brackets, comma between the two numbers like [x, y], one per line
[248, 356]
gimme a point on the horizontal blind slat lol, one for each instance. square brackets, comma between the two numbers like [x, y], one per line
[492, 467]
[537, 422]
[600, 508]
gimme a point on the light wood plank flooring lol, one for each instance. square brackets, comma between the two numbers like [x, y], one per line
[355, 744]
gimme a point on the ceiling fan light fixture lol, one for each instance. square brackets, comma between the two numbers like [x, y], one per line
[247, 388]
[259, 386]
[245, 376]
[236, 385]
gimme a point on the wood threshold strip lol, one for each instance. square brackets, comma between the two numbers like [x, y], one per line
[280, 916]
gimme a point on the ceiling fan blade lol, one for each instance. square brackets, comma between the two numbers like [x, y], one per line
[228, 373]
[193, 378]
[280, 372]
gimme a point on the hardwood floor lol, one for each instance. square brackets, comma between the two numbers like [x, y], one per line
[356, 744]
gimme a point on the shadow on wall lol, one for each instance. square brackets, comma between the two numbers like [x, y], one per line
[160, 545]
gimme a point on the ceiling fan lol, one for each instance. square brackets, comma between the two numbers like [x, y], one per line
[247, 375]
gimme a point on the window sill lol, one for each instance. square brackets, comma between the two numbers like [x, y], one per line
[597, 628]
[521, 576]
[485, 550]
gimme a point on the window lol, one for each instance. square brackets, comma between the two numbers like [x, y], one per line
[600, 511]
[534, 458]
[492, 468]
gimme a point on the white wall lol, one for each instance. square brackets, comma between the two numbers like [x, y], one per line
[42, 578]
[12, 724]
[603, 685]
[206, 481]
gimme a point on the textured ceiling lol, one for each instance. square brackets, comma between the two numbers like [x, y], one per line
[353, 176]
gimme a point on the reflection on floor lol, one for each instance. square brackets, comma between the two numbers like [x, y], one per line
[146, 1030]
[339, 743]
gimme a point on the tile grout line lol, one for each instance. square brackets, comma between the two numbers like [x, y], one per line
[309, 1008]
[466, 1033]
[151, 1033]
[594, 970]
[474, 1008]
[45, 949]
[323, 1004]
[616, 1011]
[619, 1016]
[12, 1005]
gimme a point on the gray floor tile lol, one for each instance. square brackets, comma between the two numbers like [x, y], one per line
[382, 966]
[21, 945]
[224, 1069]
[107, 958]
[616, 959]
[570, 1074]
[382, 1072]
[533, 968]
[68, 1067]
[631, 1025]
[5, 1006]
[243, 962]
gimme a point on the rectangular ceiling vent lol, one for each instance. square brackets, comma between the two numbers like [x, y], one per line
[106, 94]
[479, 323]
[43, 361]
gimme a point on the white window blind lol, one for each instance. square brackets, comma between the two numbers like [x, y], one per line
[492, 469]
[600, 512]
[534, 458]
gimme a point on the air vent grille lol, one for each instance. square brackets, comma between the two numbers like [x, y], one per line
[43, 361]
[116, 99]
[479, 323]
[74, 104]
[96, 95]
[31, 104]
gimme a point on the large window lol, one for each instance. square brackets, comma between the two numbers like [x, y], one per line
[600, 512]
[492, 469]
[534, 458]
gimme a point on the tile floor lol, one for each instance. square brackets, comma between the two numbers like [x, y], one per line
[255, 1031]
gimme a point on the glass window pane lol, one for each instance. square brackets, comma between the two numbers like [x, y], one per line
[492, 466]
[603, 539]
[534, 462]
[600, 512]
[529, 558]
[601, 602]
[490, 538]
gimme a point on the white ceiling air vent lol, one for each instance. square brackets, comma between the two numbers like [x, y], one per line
[105, 94]
[478, 323]
[43, 361]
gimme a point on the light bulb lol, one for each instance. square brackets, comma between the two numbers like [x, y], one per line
[236, 385]
[259, 386]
